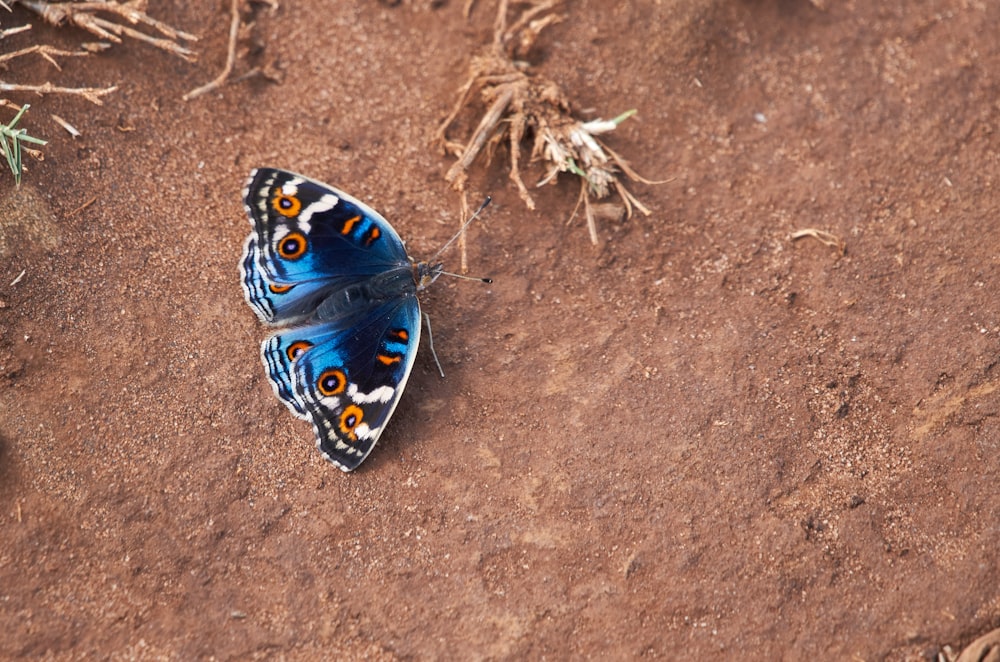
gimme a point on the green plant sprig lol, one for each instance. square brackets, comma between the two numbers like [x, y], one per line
[11, 140]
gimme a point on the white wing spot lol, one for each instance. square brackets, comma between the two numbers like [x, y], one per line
[381, 394]
[326, 203]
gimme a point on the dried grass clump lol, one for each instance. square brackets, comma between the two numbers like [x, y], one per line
[521, 104]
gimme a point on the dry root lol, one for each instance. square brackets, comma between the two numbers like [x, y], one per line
[520, 104]
[86, 15]
[110, 21]
[49, 53]
[234, 33]
[239, 31]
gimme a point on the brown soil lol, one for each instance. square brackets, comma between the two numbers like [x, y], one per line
[702, 440]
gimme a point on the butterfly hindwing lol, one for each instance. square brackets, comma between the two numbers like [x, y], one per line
[273, 301]
[349, 385]
[279, 353]
[334, 273]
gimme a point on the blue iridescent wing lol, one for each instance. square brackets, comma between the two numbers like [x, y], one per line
[308, 239]
[275, 302]
[335, 270]
[348, 375]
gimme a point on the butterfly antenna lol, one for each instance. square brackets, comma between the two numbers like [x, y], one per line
[448, 243]
[478, 279]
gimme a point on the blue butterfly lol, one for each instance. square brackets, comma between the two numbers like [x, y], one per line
[335, 276]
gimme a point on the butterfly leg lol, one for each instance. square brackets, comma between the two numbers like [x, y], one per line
[430, 343]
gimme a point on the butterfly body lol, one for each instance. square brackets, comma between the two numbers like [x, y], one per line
[335, 277]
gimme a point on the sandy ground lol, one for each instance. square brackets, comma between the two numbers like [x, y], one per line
[700, 440]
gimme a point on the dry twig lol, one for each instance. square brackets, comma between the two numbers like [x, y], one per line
[824, 237]
[47, 52]
[70, 129]
[79, 209]
[240, 30]
[91, 94]
[15, 30]
[234, 31]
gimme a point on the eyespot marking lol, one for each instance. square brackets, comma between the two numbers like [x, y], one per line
[297, 349]
[350, 419]
[331, 382]
[286, 205]
[292, 246]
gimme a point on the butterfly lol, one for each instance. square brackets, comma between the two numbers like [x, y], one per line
[336, 278]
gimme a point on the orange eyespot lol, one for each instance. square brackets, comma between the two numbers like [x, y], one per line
[279, 289]
[400, 334]
[297, 348]
[351, 418]
[386, 359]
[286, 205]
[292, 246]
[331, 382]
